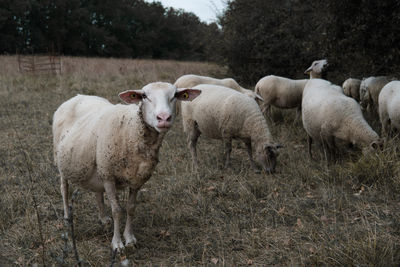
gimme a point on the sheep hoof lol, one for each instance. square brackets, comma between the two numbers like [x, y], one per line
[118, 246]
[130, 241]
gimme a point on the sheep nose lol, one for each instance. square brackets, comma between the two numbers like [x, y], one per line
[163, 116]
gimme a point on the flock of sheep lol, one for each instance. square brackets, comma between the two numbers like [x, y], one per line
[104, 147]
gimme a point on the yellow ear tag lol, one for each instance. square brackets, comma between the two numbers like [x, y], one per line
[133, 96]
[185, 95]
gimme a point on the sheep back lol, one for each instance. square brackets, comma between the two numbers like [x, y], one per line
[351, 88]
[281, 92]
[221, 112]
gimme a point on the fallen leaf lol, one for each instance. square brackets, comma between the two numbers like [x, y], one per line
[164, 233]
[59, 226]
[309, 195]
[299, 224]
[214, 260]
[249, 262]
[49, 240]
[312, 250]
[386, 212]
[281, 211]
[324, 219]
[211, 188]
[287, 242]
[275, 192]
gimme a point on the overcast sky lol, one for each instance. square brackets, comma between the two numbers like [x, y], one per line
[206, 10]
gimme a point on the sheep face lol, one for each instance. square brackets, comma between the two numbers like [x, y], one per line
[317, 67]
[266, 156]
[159, 100]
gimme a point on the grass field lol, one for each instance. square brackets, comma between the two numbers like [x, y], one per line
[306, 214]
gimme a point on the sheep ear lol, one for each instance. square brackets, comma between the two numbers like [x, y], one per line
[131, 96]
[308, 70]
[187, 94]
[259, 97]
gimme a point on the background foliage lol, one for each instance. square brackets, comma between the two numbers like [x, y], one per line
[360, 38]
[117, 28]
[253, 38]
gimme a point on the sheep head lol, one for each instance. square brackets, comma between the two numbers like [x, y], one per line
[158, 102]
[266, 156]
[317, 68]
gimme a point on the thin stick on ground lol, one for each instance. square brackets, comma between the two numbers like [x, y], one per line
[71, 228]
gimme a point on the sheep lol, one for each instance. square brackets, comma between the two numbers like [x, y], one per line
[328, 114]
[389, 107]
[222, 113]
[191, 80]
[105, 147]
[351, 88]
[286, 93]
[369, 91]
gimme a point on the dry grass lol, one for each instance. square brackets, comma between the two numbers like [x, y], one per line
[307, 214]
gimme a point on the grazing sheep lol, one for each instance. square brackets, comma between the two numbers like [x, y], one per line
[369, 91]
[351, 88]
[222, 113]
[191, 80]
[328, 114]
[104, 147]
[286, 93]
[389, 107]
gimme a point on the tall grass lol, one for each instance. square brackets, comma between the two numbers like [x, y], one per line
[307, 214]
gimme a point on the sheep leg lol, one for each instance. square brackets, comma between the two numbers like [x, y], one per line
[130, 210]
[193, 135]
[386, 132]
[332, 148]
[266, 110]
[64, 193]
[309, 141]
[249, 152]
[111, 192]
[298, 112]
[228, 149]
[100, 204]
[329, 149]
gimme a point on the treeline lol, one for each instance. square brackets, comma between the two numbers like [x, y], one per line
[254, 38]
[359, 38]
[117, 28]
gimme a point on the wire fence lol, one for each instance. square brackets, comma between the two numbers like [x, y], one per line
[39, 64]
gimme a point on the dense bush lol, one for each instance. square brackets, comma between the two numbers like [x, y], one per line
[282, 37]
